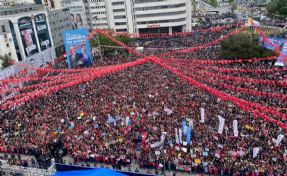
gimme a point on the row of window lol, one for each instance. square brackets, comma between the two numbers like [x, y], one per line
[101, 24]
[160, 7]
[23, 10]
[97, 0]
[160, 14]
[120, 23]
[98, 7]
[97, 13]
[119, 10]
[120, 17]
[121, 30]
[56, 15]
[161, 21]
[147, 1]
[99, 19]
[118, 3]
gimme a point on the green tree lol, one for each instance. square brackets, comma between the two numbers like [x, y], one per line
[126, 40]
[233, 7]
[238, 47]
[107, 42]
[271, 6]
[5, 61]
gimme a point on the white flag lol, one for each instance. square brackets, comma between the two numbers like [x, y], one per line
[221, 124]
[180, 135]
[279, 139]
[127, 121]
[176, 136]
[235, 128]
[202, 114]
[255, 152]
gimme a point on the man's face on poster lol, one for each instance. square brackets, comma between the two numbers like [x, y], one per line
[73, 50]
[84, 48]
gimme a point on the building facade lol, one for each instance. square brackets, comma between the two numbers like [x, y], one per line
[25, 31]
[142, 16]
[99, 12]
[59, 21]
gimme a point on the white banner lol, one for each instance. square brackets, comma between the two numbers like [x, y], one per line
[255, 152]
[127, 121]
[176, 136]
[202, 114]
[235, 128]
[180, 135]
[221, 124]
[279, 139]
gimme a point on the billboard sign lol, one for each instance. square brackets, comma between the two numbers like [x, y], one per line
[42, 31]
[28, 35]
[248, 22]
[280, 61]
[77, 14]
[275, 41]
[82, 55]
[15, 72]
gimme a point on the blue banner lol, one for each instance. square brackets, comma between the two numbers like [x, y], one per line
[272, 40]
[188, 134]
[280, 60]
[183, 125]
[82, 55]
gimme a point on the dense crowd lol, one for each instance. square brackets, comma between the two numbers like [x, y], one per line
[105, 119]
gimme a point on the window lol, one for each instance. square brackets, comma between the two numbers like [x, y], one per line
[3, 29]
[120, 17]
[7, 45]
[121, 30]
[5, 36]
[161, 21]
[160, 14]
[160, 7]
[120, 23]
[118, 3]
[119, 10]
[9, 54]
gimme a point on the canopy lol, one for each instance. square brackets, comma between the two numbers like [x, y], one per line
[90, 172]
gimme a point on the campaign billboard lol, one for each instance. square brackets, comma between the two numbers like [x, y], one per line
[42, 31]
[248, 22]
[275, 41]
[82, 55]
[280, 61]
[28, 36]
[39, 60]
[77, 14]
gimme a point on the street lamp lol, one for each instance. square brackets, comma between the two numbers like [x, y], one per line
[96, 17]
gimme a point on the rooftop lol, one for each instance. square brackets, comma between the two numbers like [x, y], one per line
[15, 7]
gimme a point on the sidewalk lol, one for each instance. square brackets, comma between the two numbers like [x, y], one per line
[132, 167]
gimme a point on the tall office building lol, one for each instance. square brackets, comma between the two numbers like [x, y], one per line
[59, 21]
[25, 36]
[142, 16]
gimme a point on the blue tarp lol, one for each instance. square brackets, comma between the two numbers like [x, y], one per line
[90, 172]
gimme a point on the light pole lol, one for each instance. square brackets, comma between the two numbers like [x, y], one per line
[251, 25]
[98, 36]
[163, 158]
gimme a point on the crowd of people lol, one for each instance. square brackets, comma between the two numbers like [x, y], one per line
[104, 120]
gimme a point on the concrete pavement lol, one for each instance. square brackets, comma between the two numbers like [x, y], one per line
[132, 167]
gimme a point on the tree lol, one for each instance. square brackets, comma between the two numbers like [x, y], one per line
[238, 47]
[126, 40]
[233, 7]
[106, 41]
[5, 61]
[277, 7]
[271, 6]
